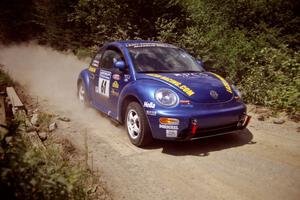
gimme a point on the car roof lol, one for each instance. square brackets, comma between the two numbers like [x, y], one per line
[126, 43]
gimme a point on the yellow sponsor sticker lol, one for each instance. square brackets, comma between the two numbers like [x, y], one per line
[115, 84]
[225, 83]
[182, 87]
[92, 69]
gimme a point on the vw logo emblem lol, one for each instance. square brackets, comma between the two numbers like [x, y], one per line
[214, 94]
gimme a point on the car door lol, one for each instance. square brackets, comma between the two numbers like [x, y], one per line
[108, 82]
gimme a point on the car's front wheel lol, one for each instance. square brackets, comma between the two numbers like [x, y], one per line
[137, 125]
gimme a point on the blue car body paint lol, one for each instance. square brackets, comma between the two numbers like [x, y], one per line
[203, 96]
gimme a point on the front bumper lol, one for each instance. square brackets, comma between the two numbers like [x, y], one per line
[199, 121]
[196, 132]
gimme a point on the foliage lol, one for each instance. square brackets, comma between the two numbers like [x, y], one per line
[44, 120]
[230, 36]
[29, 173]
[83, 53]
[109, 20]
[17, 21]
[255, 44]
[273, 79]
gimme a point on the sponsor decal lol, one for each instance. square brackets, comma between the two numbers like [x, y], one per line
[115, 84]
[116, 77]
[114, 93]
[151, 112]
[182, 87]
[126, 77]
[148, 104]
[171, 133]
[185, 102]
[187, 106]
[149, 44]
[214, 94]
[225, 83]
[172, 127]
[92, 69]
[103, 83]
[105, 74]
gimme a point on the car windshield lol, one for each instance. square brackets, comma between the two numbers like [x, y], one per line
[163, 59]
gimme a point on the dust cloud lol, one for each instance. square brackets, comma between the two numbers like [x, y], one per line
[46, 73]
[51, 77]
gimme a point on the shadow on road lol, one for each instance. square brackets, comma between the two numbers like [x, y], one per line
[203, 147]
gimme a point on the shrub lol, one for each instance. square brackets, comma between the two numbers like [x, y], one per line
[273, 79]
[29, 173]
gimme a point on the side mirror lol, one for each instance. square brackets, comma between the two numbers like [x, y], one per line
[120, 65]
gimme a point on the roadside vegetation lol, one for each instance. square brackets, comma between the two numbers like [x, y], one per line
[254, 44]
[31, 173]
[34, 170]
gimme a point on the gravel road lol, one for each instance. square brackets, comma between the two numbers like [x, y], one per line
[262, 162]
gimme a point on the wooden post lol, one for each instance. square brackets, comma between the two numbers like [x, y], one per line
[14, 99]
[19, 111]
[2, 113]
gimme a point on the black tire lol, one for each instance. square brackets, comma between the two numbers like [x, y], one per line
[81, 95]
[144, 136]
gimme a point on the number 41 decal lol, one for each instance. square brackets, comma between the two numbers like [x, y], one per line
[104, 87]
[104, 82]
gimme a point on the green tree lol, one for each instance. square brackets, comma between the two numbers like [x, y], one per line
[17, 21]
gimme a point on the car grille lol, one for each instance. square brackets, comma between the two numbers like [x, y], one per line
[206, 132]
[209, 132]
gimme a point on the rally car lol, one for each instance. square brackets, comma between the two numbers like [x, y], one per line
[160, 91]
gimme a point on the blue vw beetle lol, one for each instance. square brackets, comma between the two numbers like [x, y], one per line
[160, 91]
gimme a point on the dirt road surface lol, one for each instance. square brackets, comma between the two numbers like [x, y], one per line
[262, 162]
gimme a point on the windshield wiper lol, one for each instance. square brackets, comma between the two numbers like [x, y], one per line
[157, 71]
[162, 71]
[189, 71]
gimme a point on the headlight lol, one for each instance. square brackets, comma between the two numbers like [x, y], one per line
[166, 97]
[238, 93]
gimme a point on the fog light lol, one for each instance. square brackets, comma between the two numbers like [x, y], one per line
[169, 121]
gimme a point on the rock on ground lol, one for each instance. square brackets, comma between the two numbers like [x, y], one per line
[278, 121]
[65, 119]
[52, 126]
[42, 135]
[34, 119]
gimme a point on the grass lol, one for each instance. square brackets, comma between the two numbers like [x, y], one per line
[57, 172]
[28, 171]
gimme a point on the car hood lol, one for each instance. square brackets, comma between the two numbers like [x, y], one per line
[205, 87]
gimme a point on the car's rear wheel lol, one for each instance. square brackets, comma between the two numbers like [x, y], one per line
[82, 94]
[137, 125]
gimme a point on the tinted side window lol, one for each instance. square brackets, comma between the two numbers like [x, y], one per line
[109, 57]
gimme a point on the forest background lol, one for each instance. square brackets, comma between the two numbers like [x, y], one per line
[254, 44]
